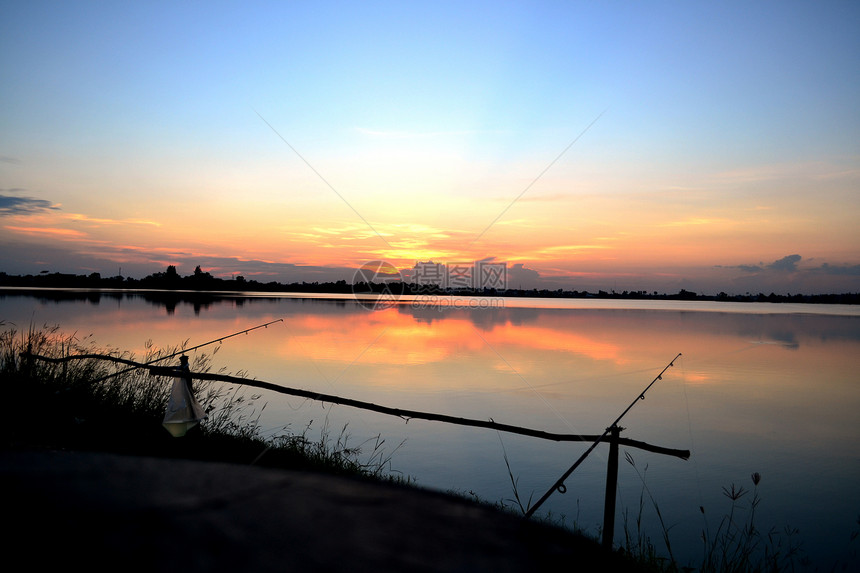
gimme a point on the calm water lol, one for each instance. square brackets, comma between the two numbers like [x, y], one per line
[761, 388]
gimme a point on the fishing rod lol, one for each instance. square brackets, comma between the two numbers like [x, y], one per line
[559, 484]
[184, 350]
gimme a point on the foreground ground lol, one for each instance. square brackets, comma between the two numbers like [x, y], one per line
[106, 511]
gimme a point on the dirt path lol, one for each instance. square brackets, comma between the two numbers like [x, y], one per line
[113, 512]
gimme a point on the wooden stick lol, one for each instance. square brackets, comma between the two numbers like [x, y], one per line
[399, 412]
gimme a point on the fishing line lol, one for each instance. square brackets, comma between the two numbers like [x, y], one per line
[715, 357]
[559, 484]
[323, 179]
[710, 360]
[527, 383]
[366, 348]
[315, 365]
[551, 408]
[535, 180]
[331, 383]
[184, 350]
[348, 366]
[589, 379]
[690, 430]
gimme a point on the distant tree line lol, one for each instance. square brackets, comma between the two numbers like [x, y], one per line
[199, 280]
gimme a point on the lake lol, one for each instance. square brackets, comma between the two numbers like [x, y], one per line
[767, 388]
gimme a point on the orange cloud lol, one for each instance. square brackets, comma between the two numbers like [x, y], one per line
[48, 231]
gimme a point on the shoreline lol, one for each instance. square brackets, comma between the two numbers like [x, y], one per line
[442, 302]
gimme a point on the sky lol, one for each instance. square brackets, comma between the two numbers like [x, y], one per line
[587, 146]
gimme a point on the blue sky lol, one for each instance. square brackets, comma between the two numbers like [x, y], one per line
[142, 125]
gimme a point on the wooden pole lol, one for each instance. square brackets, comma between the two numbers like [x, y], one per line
[611, 484]
[399, 412]
[559, 483]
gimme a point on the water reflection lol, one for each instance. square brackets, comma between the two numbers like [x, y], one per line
[758, 391]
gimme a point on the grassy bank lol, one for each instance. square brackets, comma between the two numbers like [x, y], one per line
[58, 405]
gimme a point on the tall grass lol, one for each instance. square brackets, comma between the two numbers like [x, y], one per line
[100, 405]
[636, 542]
[736, 545]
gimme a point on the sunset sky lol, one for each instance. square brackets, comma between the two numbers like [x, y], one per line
[712, 146]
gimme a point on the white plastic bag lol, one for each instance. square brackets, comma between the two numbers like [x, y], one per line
[183, 411]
